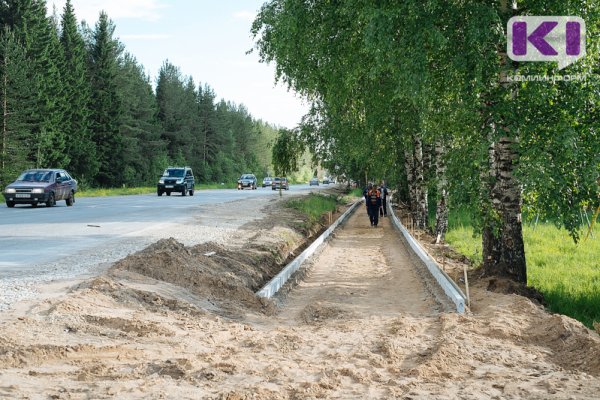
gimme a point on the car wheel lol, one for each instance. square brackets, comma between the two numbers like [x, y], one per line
[159, 193]
[184, 192]
[71, 199]
[51, 200]
[168, 193]
[191, 192]
[10, 204]
[34, 204]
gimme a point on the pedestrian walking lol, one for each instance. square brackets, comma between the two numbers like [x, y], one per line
[384, 194]
[366, 191]
[373, 205]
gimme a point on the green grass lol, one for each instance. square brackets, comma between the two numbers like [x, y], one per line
[313, 205]
[98, 192]
[351, 196]
[145, 190]
[568, 274]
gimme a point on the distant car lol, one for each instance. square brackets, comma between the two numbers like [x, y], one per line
[247, 181]
[176, 179]
[268, 181]
[314, 182]
[280, 183]
[325, 181]
[36, 186]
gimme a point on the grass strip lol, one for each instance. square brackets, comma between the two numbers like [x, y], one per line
[568, 274]
[314, 205]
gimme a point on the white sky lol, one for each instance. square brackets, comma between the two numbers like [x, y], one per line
[207, 40]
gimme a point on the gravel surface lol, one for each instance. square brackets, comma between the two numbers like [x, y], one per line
[216, 223]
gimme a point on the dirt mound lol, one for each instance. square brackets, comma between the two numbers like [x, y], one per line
[507, 286]
[318, 313]
[227, 277]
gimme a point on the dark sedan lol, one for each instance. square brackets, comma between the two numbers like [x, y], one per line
[36, 186]
[246, 180]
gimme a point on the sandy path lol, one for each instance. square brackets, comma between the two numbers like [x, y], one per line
[362, 272]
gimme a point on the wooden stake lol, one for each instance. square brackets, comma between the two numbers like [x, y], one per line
[467, 286]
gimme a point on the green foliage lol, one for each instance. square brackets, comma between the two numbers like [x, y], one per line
[314, 206]
[73, 97]
[286, 152]
[17, 104]
[108, 106]
[568, 274]
[80, 146]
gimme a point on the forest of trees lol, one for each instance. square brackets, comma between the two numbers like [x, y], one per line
[417, 92]
[72, 97]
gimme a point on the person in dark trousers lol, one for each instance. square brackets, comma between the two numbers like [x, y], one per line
[373, 205]
[384, 194]
[365, 195]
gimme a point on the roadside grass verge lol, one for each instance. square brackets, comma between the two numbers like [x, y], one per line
[99, 192]
[313, 206]
[567, 274]
[351, 196]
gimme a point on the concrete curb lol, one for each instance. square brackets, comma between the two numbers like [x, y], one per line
[281, 278]
[447, 284]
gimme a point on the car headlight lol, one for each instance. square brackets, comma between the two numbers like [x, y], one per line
[10, 190]
[161, 180]
[37, 190]
[179, 180]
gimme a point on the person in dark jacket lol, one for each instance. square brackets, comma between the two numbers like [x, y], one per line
[365, 195]
[384, 194]
[373, 205]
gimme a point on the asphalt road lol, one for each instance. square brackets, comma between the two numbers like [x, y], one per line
[34, 236]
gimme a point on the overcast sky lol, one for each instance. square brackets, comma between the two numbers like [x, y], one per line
[206, 39]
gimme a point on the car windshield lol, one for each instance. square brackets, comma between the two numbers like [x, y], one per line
[35, 176]
[246, 176]
[173, 172]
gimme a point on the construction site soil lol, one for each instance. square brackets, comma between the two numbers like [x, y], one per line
[364, 322]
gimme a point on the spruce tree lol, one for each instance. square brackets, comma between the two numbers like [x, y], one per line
[81, 149]
[17, 105]
[145, 154]
[107, 105]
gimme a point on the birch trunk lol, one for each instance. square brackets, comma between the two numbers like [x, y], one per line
[441, 213]
[512, 250]
[490, 211]
[410, 180]
[420, 189]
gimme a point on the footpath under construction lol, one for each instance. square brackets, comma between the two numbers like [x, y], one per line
[366, 319]
[367, 271]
